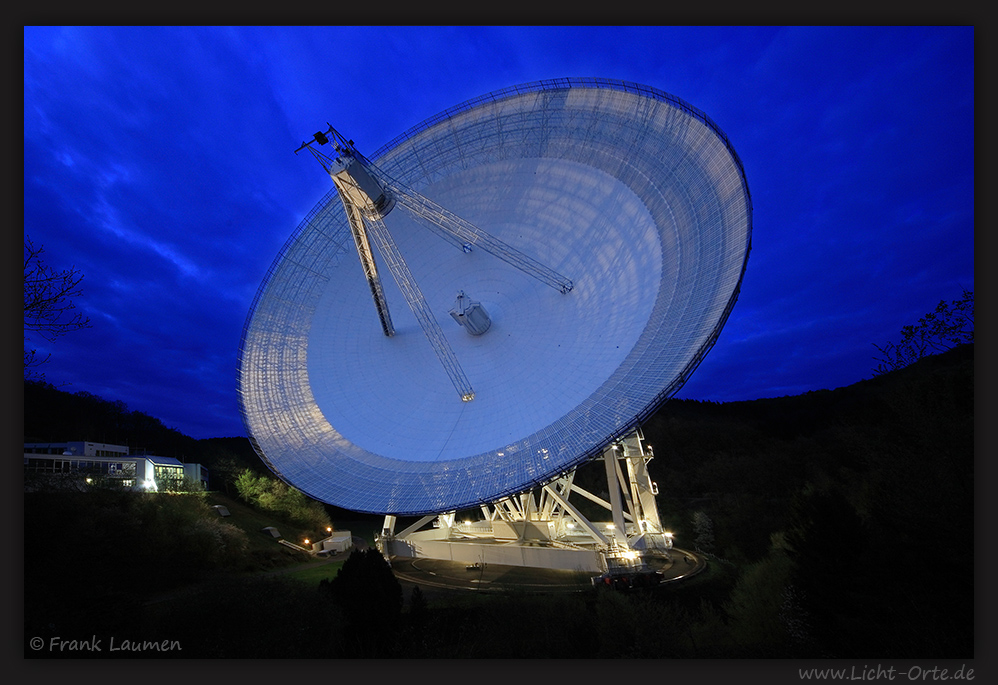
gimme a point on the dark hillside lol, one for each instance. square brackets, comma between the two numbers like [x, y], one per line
[868, 489]
[743, 461]
[54, 415]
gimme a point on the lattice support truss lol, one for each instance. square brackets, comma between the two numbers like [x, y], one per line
[466, 235]
[367, 199]
[414, 297]
[633, 496]
[635, 522]
[363, 245]
[643, 489]
[364, 215]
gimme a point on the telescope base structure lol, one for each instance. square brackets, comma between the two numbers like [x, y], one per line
[422, 545]
[541, 528]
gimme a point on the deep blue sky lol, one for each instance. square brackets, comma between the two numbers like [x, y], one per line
[159, 161]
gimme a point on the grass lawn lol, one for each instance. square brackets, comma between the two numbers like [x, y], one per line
[269, 555]
[265, 552]
[313, 574]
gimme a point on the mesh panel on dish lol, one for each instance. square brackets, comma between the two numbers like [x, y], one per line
[634, 195]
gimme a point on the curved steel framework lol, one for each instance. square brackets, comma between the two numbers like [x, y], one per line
[633, 194]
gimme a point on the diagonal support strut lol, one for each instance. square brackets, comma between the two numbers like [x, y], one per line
[459, 231]
[414, 296]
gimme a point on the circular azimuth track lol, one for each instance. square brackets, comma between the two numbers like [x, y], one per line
[634, 196]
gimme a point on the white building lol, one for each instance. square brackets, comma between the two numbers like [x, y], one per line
[109, 464]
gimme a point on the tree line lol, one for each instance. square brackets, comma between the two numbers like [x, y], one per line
[271, 494]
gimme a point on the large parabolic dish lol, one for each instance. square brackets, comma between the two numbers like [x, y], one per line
[635, 195]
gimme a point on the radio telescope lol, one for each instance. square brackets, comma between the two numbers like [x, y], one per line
[539, 269]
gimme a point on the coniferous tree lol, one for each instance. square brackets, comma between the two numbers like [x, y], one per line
[369, 594]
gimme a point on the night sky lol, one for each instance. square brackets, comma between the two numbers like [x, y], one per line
[159, 162]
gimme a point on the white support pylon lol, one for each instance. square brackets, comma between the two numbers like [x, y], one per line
[538, 518]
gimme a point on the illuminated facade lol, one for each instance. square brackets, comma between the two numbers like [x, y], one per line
[83, 462]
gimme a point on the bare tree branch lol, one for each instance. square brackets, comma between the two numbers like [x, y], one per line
[48, 305]
[949, 325]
